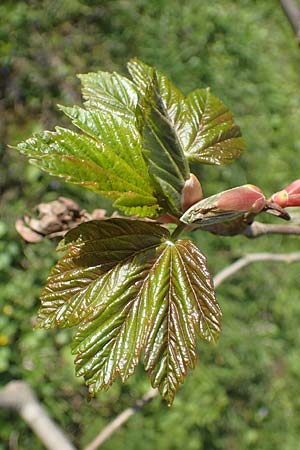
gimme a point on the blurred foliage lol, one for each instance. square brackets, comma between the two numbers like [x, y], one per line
[244, 393]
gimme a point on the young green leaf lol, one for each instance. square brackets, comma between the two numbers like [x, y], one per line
[120, 135]
[210, 134]
[128, 287]
[137, 140]
[109, 92]
[203, 125]
[162, 107]
[185, 304]
[108, 162]
[91, 250]
[142, 75]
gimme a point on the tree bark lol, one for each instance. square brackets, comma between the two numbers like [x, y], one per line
[292, 12]
[258, 229]
[18, 396]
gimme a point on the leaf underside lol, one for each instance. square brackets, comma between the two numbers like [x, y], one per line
[129, 289]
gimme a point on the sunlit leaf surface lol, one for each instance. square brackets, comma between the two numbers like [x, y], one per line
[109, 92]
[128, 287]
[107, 159]
[136, 140]
[210, 135]
[185, 305]
[203, 125]
[162, 106]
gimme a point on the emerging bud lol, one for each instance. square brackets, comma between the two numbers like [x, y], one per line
[293, 188]
[226, 206]
[244, 198]
[294, 200]
[289, 196]
[191, 192]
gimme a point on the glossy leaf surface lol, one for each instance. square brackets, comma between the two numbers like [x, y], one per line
[210, 135]
[109, 92]
[128, 287]
[107, 159]
[136, 140]
[141, 74]
[90, 250]
[162, 107]
[204, 127]
[185, 305]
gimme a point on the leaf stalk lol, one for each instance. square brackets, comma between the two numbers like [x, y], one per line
[178, 230]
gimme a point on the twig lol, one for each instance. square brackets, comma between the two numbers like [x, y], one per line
[257, 229]
[292, 12]
[121, 419]
[56, 218]
[19, 396]
[251, 258]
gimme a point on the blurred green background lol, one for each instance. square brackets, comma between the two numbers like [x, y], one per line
[244, 392]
